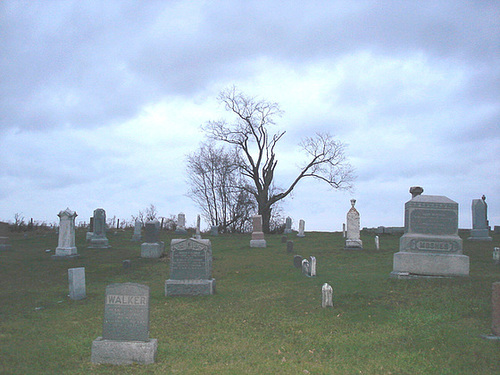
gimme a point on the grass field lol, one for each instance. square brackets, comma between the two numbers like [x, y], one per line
[266, 317]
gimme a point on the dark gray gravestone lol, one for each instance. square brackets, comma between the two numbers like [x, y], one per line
[284, 239]
[151, 232]
[91, 225]
[289, 246]
[126, 312]
[190, 268]
[297, 261]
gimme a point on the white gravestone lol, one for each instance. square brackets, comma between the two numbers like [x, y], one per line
[353, 241]
[198, 232]
[76, 278]
[306, 267]
[496, 255]
[66, 244]
[288, 225]
[181, 224]
[302, 227]
[137, 236]
[312, 262]
[326, 295]
[343, 230]
[257, 234]
[377, 243]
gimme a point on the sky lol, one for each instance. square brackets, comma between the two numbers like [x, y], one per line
[101, 101]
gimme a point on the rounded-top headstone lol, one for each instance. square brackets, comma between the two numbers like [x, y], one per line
[297, 261]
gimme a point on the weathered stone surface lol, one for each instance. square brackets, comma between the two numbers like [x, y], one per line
[353, 240]
[377, 243]
[198, 229]
[123, 352]
[152, 250]
[190, 268]
[137, 236]
[326, 295]
[76, 278]
[288, 225]
[257, 234]
[302, 227]
[297, 261]
[66, 243]
[98, 240]
[289, 247]
[496, 255]
[312, 261]
[151, 231]
[480, 227]
[181, 224]
[306, 267]
[214, 230]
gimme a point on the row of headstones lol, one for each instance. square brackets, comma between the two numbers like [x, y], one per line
[288, 227]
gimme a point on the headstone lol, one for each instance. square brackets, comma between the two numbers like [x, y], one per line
[326, 295]
[98, 239]
[66, 244]
[125, 335]
[312, 261]
[495, 307]
[288, 225]
[198, 231]
[137, 236]
[302, 227]
[257, 234]
[306, 267]
[377, 243]
[127, 263]
[190, 268]
[181, 224]
[152, 247]
[284, 239]
[496, 255]
[76, 278]
[353, 240]
[90, 232]
[480, 226]
[343, 230]
[297, 261]
[214, 230]
[289, 247]
[430, 245]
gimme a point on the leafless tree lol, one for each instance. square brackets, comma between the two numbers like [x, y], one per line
[250, 135]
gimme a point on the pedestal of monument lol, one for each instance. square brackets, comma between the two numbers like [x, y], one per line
[258, 240]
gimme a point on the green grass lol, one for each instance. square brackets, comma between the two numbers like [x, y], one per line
[266, 317]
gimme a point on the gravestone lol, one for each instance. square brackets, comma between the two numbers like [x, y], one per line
[297, 261]
[90, 232]
[430, 245]
[4, 239]
[480, 226]
[181, 224]
[343, 230]
[289, 247]
[326, 295]
[284, 239]
[288, 225]
[257, 234]
[496, 255]
[125, 335]
[152, 247]
[98, 239]
[306, 267]
[312, 261]
[76, 278]
[198, 231]
[377, 243]
[190, 268]
[66, 243]
[214, 230]
[302, 227]
[353, 241]
[137, 236]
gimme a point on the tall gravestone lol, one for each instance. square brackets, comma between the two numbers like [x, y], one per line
[353, 240]
[99, 239]
[480, 226]
[302, 227]
[312, 262]
[66, 243]
[306, 267]
[181, 224]
[76, 279]
[152, 247]
[288, 225]
[4, 239]
[125, 334]
[257, 234]
[137, 236]
[90, 232]
[326, 295]
[198, 225]
[430, 245]
[190, 268]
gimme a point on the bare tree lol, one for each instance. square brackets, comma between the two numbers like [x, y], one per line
[150, 213]
[255, 144]
[217, 188]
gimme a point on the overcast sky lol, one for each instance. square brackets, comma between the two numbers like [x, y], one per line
[100, 101]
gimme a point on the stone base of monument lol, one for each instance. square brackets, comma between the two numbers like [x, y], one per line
[353, 245]
[66, 253]
[258, 243]
[180, 231]
[189, 287]
[99, 243]
[479, 235]
[152, 250]
[88, 236]
[123, 352]
[429, 264]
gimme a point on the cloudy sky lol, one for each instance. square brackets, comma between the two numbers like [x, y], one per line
[100, 101]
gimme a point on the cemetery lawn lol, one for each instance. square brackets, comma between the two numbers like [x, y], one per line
[266, 317]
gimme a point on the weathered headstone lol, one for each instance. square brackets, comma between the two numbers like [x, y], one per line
[76, 278]
[430, 245]
[289, 247]
[66, 243]
[181, 224]
[257, 234]
[214, 230]
[137, 236]
[152, 247]
[480, 226]
[127, 263]
[377, 243]
[353, 240]
[297, 261]
[496, 255]
[198, 230]
[302, 227]
[98, 239]
[284, 239]
[190, 268]
[312, 261]
[343, 231]
[288, 225]
[125, 335]
[326, 295]
[90, 232]
[306, 267]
